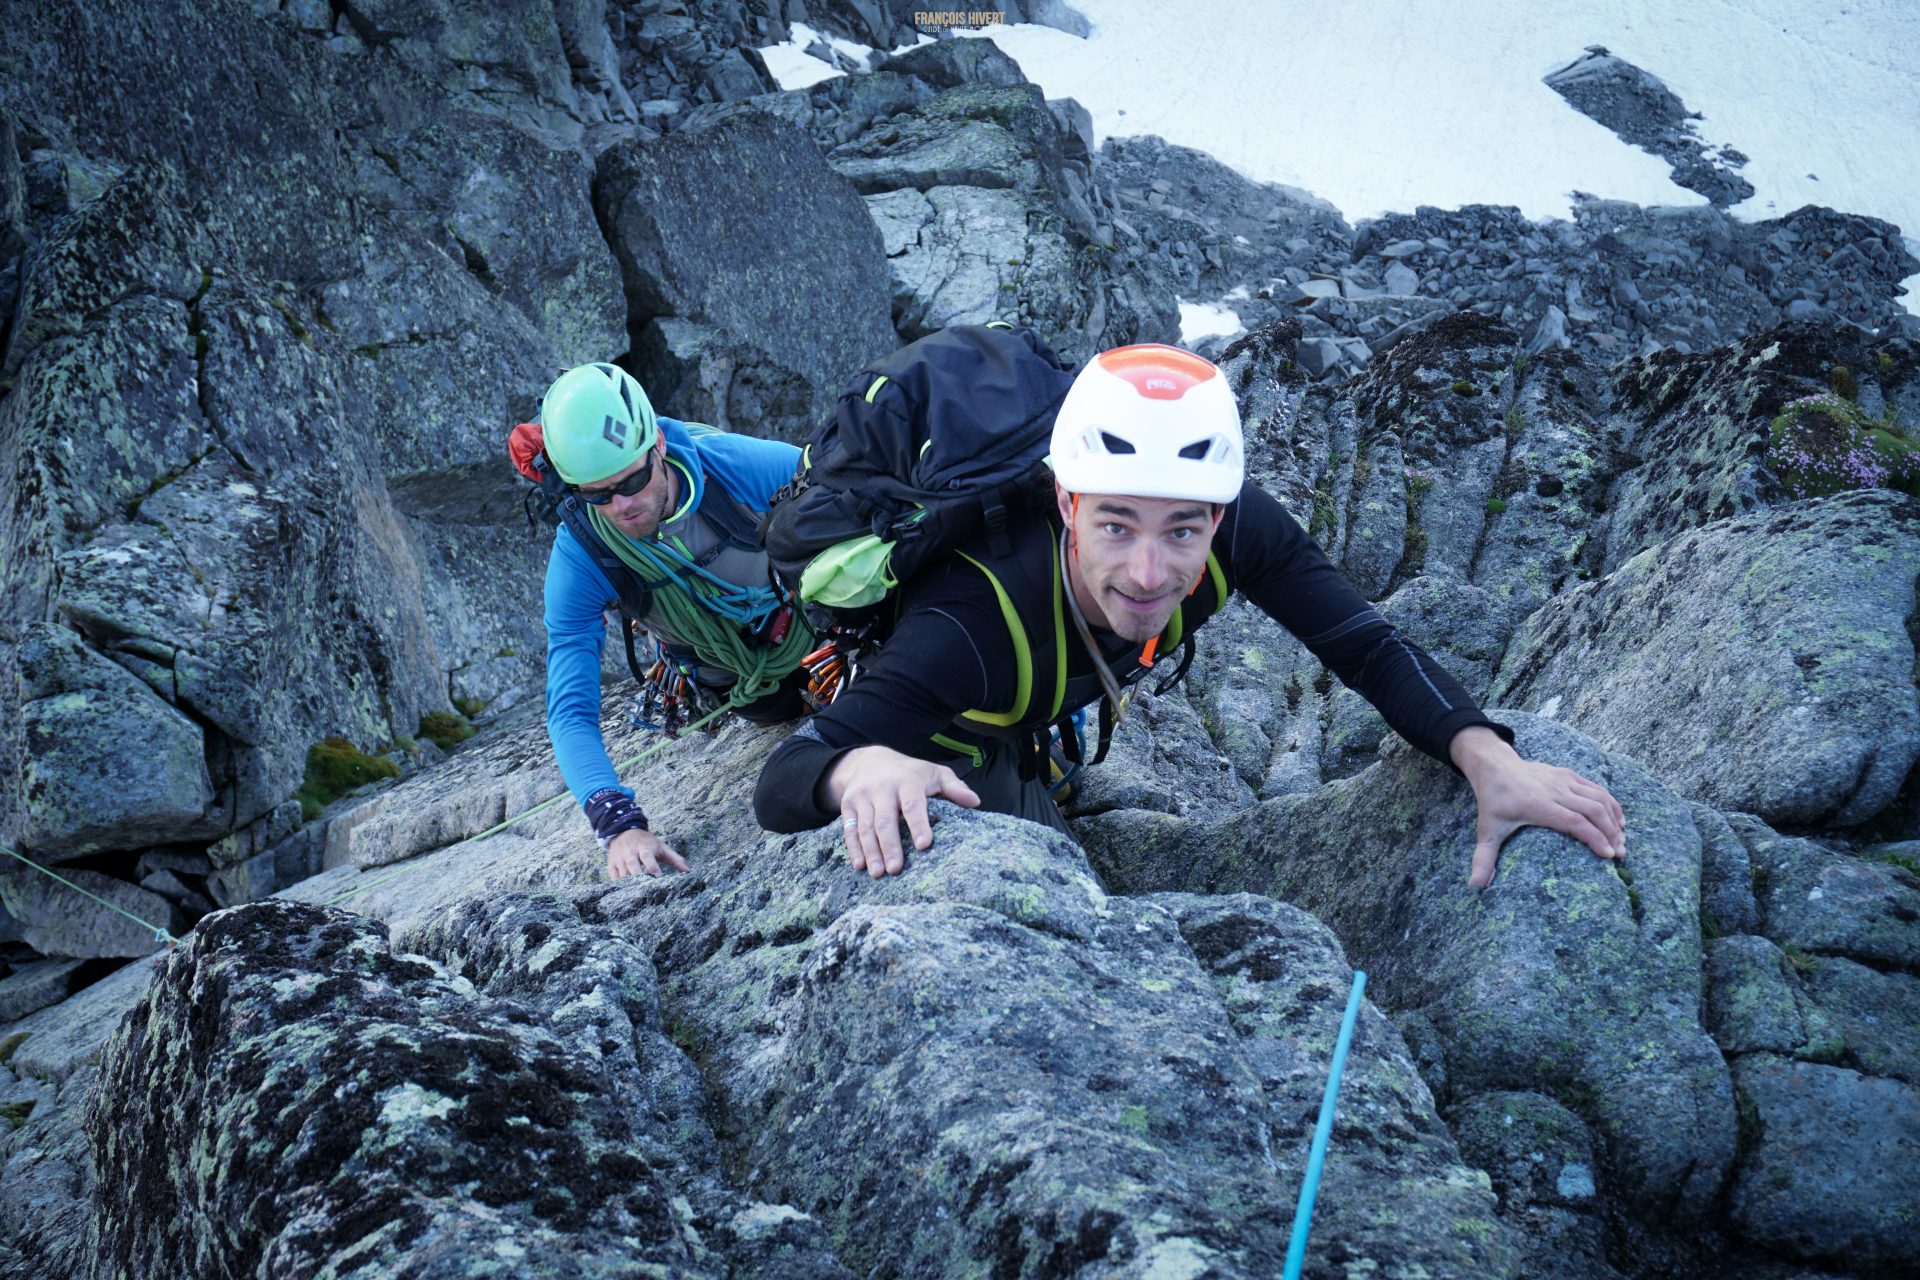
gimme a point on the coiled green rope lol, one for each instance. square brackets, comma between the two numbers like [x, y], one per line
[717, 641]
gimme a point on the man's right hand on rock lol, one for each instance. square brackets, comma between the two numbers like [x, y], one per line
[874, 788]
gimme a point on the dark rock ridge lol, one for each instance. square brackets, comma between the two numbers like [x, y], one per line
[291, 1094]
[1640, 109]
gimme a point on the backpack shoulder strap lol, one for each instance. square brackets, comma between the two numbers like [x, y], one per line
[1040, 658]
[727, 516]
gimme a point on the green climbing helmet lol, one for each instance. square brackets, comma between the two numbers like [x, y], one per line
[596, 422]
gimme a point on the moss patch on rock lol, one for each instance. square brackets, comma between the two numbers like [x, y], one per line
[335, 767]
[445, 729]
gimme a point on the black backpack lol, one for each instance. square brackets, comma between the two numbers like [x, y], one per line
[926, 448]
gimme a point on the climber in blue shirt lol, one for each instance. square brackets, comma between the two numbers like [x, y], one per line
[658, 518]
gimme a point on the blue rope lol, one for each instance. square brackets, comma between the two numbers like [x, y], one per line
[747, 606]
[159, 934]
[1310, 1185]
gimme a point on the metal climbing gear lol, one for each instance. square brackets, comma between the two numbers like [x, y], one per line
[1065, 759]
[830, 669]
[670, 696]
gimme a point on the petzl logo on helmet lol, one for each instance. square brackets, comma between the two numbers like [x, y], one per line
[615, 431]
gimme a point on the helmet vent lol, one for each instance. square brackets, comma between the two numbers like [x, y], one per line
[626, 397]
[1198, 449]
[1114, 444]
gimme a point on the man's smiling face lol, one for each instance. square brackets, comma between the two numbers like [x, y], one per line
[1132, 560]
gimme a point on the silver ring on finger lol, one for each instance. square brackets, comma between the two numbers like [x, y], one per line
[851, 823]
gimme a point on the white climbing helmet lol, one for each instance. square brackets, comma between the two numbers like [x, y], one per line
[1151, 421]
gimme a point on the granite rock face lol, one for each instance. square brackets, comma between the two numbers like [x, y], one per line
[1800, 1193]
[224, 342]
[1802, 710]
[1504, 978]
[370, 1113]
[800, 275]
[257, 350]
[971, 1022]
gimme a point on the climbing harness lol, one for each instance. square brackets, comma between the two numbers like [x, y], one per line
[750, 631]
[159, 934]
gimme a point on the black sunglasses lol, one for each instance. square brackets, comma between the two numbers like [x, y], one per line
[625, 489]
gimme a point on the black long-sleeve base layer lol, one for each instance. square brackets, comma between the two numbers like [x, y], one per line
[951, 652]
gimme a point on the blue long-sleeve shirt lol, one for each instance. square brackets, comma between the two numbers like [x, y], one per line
[578, 595]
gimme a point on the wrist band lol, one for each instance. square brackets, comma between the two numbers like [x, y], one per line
[612, 811]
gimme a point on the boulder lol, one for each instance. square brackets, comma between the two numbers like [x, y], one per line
[35, 986]
[1505, 977]
[1829, 903]
[1535, 1150]
[1801, 711]
[968, 255]
[1755, 1002]
[56, 921]
[1162, 757]
[801, 275]
[1875, 1013]
[108, 763]
[969, 1019]
[363, 1138]
[1463, 627]
[711, 375]
[208, 576]
[517, 216]
[1832, 1174]
[1726, 877]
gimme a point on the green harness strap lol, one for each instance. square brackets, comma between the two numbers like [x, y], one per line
[716, 641]
[1023, 657]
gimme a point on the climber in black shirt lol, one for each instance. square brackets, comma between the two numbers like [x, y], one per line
[1155, 529]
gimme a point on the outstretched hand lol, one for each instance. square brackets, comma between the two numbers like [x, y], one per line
[1513, 792]
[636, 851]
[874, 788]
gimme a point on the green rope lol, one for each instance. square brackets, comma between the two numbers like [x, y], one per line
[544, 805]
[718, 642]
[159, 934]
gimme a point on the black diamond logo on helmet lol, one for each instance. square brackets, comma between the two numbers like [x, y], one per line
[615, 431]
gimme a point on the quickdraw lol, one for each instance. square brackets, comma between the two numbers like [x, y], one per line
[831, 668]
[669, 698]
